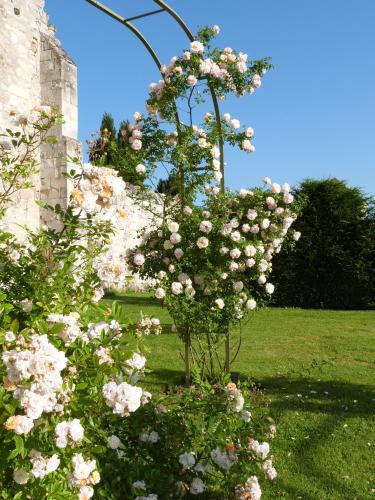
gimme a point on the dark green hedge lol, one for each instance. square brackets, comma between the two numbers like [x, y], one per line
[333, 264]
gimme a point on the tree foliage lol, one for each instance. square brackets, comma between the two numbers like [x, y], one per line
[333, 266]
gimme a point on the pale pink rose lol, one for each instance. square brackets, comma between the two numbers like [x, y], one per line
[202, 242]
[276, 188]
[235, 123]
[136, 144]
[251, 214]
[247, 146]
[196, 47]
[140, 169]
[256, 81]
[192, 80]
[178, 253]
[220, 303]
[139, 259]
[159, 293]
[251, 304]
[262, 279]
[288, 198]
[249, 132]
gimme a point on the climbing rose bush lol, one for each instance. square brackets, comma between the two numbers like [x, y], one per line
[76, 419]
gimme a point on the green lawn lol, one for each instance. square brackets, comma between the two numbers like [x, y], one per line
[318, 368]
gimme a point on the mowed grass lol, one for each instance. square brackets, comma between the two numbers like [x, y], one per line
[318, 368]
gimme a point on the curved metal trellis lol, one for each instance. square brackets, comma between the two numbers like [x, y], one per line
[164, 7]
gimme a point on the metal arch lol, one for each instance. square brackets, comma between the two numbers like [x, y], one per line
[129, 25]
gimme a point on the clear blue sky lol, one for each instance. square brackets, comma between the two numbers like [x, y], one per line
[315, 113]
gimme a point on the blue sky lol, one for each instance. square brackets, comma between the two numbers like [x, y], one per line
[314, 115]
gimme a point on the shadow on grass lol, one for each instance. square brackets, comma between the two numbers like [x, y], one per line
[165, 378]
[331, 397]
[332, 402]
[145, 300]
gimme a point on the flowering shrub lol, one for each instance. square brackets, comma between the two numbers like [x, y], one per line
[75, 419]
[210, 264]
[65, 377]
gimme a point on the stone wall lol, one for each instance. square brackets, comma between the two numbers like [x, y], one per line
[35, 71]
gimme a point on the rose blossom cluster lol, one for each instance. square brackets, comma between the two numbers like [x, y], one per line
[235, 398]
[250, 490]
[40, 364]
[84, 475]
[133, 134]
[244, 247]
[111, 268]
[124, 398]
[229, 68]
[71, 330]
[147, 326]
[100, 192]
[68, 429]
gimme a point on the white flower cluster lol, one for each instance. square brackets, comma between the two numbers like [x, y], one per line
[147, 326]
[250, 491]
[235, 398]
[249, 241]
[269, 469]
[71, 330]
[100, 192]
[193, 66]
[65, 429]
[43, 466]
[41, 364]
[133, 134]
[147, 436]
[111, 268]
[96, 330]
[223, 459]
[124, 398]
[84, 475]
[260, 449]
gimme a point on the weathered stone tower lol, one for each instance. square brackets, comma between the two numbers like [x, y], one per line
[35, 70]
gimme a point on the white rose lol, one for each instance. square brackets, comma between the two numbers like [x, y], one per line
[235, 123]
[173, 227]
[191, 80]
[202, 242]
[20, 476]
[175, 238]
[238, 286]
[251, 304]
[113, 442]
[139, 259]
[140, 169]
[178, 253]
[220, 303]
[159, 293]
[205, 226]
[176, 288]
[196, 47]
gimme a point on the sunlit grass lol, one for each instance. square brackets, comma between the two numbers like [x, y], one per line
[318, 368]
